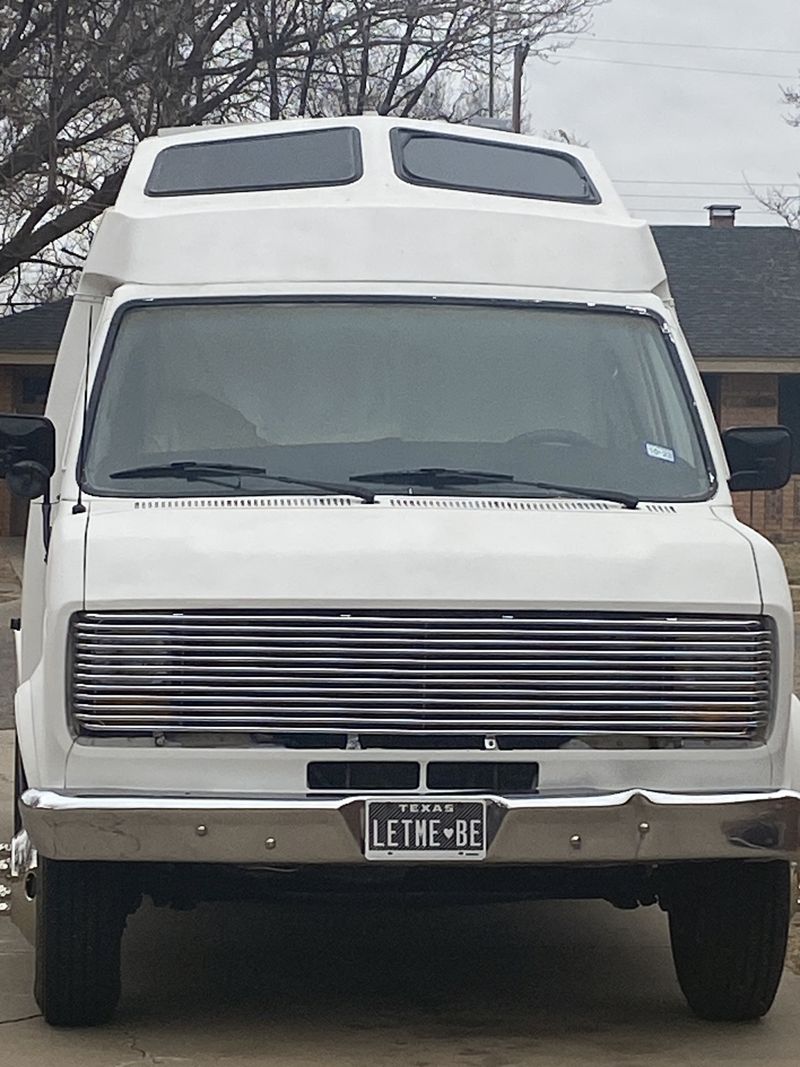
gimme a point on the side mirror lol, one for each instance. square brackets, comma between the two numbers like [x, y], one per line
[760, 457]
[27, 453]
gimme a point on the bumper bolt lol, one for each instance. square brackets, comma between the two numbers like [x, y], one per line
[644, 827]
[270, 843]
[201, 830]
[575, 841]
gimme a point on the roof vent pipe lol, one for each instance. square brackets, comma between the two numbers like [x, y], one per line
[722, 216]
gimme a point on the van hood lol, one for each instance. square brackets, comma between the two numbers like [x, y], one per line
[415, 551]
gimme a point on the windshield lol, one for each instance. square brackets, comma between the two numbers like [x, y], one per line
[332, 391]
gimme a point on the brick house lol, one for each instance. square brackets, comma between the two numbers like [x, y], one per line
[737, 290]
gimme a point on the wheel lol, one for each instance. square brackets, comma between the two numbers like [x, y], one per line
[728, 925]
[81, 913]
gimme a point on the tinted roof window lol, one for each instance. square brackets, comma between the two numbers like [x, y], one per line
[490, 167]
[246, 164]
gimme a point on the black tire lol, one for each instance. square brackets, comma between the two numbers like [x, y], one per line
[728, 925]
[80, 915]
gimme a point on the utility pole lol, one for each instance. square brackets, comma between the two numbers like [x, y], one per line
[491, 59]
[520, 55]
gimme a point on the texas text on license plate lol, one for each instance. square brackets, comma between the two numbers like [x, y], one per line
[425, 829]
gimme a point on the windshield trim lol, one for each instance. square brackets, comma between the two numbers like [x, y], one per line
[393, 299]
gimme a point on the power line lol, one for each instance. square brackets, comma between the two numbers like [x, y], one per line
[698, 181]
[675, 66]
[701, 206]
[755, 205]
[689, 211]
[681, 196]
[687, 44]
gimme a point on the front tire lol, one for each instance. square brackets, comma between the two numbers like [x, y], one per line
[729, 924]
[81, 913]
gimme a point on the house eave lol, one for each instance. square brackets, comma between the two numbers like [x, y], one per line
[749, 364]
[27, 358]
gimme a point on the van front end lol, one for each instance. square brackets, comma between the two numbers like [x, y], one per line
[603, 685]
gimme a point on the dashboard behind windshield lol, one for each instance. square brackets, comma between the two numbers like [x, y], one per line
[322, 390]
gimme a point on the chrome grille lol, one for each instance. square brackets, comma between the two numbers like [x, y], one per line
[405, 672]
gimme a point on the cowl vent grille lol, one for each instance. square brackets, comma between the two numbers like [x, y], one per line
[243, 503]
[409, 672]
[418, 503]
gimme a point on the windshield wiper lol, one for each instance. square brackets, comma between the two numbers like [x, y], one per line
[192, 471]
[442, 477]
[613, 495]
[432, 477]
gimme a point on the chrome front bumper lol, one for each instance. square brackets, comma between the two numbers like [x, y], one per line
[635, 826]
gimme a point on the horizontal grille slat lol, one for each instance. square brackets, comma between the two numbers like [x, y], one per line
[236, 727]
[368, 726]
[406, 672]
[429, 631]
[436, 678]
[368, 695]
[396, 622]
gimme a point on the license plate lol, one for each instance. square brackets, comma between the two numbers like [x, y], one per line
[425, 830]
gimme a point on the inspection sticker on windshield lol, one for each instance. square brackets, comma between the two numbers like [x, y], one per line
[425, 829]
[659, 452]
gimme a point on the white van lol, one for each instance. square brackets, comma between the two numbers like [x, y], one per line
[382, 532]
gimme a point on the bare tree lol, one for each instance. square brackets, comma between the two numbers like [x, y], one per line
[791, 96]
[786, 205]
[82, 81]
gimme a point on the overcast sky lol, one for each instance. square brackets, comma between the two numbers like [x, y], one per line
[675, 140]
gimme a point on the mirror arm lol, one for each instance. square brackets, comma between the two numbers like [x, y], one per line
[47, 526]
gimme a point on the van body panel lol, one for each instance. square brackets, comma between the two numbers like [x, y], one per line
[158, 553]
[120, 761]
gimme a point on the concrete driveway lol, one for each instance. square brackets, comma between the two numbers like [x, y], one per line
[500, 986]
[10, 579]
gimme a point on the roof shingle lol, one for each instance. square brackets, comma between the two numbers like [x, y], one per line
[37, 330]
[737, 290]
